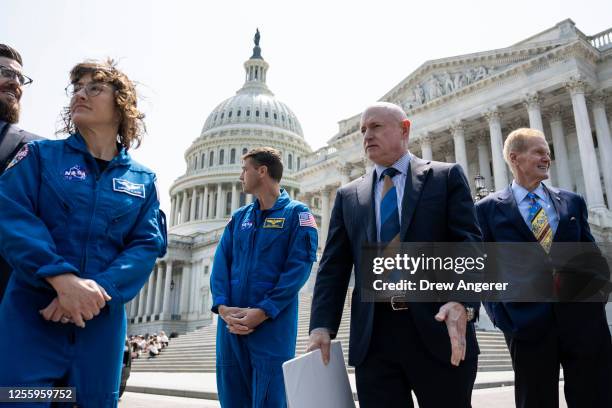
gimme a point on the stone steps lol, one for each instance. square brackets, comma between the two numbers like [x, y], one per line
[195, 351]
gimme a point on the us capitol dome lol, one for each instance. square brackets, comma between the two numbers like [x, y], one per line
[204, 197]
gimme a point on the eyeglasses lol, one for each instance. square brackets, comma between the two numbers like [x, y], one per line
[91, 89]
[10, 73]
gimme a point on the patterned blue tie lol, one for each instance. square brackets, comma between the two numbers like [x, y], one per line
[389, 214]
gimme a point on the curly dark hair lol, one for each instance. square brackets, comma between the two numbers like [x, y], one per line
[131, 124]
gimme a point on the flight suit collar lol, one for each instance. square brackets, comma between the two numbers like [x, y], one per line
[281, 202]
[77, 142]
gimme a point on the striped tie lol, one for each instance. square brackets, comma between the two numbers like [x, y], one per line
[389, 213]
[539, 223]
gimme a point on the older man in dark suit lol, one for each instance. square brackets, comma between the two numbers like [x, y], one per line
[398, 347]
[12, 138]
[541, 336]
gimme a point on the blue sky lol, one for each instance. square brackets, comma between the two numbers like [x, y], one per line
[328, 59]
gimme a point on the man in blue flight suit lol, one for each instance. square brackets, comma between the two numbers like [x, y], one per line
[74, 236]
[263, 259]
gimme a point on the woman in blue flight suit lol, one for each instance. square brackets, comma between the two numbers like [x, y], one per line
[81, 227]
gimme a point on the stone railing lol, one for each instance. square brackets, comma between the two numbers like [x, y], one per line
[602, 41]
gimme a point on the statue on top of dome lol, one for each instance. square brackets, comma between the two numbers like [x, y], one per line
[256, 49]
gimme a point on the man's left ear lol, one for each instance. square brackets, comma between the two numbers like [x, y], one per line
[406, 125]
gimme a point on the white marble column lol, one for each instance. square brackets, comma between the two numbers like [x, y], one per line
[325, 215]
[172, 210]
[185, 288]
[141, 300]
[201, 207]
[426, 151]
[588, 158]
[249, 198]
[484, 169]
[134, 307]
[150, 294]
[532, 102]
[497, 145]
[185, 207]
[234, 197]
[345, 172]
[604, 141]
[204, 203]
[158, 288]
[175, 218]
[219, 201]
[564, 177]
[211, 205]
[195, 286]
[192, 210]
[458, 131]
[167, 307]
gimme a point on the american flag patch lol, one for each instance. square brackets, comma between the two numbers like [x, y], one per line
[307, 220]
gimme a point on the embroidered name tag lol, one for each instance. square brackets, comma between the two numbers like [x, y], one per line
[274, 223]
[125, 186]
[75, 172]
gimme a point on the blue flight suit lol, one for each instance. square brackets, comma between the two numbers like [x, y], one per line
[59, 214]
[262, 261]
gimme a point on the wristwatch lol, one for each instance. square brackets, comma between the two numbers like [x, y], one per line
[470, 313]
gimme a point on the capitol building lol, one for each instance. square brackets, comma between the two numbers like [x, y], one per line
[461, 108]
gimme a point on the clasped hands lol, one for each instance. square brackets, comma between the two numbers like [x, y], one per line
[77, 300]
[241, 320]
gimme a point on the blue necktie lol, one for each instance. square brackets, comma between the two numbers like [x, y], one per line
[389, 213]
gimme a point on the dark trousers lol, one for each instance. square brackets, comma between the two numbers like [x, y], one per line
[398, 363]
[586, 358]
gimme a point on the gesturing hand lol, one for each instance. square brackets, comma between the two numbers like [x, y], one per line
[82, 299]
[455, 317]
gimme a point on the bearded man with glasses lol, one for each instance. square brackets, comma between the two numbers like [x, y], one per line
[12, 138]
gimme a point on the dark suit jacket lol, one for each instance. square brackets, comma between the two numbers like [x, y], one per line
[13, 139]
[501, 221]
[436, 207]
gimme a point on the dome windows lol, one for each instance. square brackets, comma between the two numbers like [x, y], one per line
[233, 156]
[211, 159]
[221, 156]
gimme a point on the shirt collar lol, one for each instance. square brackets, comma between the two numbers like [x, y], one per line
[400, 165]
[521, 192]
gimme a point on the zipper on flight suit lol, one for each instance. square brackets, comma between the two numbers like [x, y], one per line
[98, 176]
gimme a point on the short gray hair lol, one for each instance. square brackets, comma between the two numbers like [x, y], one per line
[517, 141]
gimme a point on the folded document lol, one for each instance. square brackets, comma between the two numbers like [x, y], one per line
[309, 383]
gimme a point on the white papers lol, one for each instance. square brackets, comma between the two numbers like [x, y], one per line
[309, 383]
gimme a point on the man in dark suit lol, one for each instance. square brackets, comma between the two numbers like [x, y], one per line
[398, 347]
[12, 138]
[541, 336]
